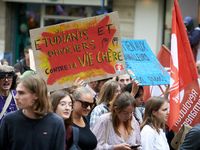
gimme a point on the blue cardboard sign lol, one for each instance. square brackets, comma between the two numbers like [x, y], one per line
[143, 64]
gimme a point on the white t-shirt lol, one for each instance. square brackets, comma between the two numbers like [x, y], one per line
[151, 140]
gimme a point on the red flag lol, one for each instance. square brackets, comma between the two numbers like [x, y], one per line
[183, 68]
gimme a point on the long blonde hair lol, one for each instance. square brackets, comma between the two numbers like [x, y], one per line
[107, 92]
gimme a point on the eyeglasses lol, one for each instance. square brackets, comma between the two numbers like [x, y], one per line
[9, 77]
[69, 105]
[86, 104]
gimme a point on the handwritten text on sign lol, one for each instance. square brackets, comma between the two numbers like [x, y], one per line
[90, 48]
[142, 63]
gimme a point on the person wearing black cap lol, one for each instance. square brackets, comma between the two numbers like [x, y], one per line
[193, 35]
[7, 93]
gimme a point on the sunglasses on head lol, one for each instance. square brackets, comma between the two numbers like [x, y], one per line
[86, 104]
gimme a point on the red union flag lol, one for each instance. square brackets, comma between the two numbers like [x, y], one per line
[189, 96]
[183, 69]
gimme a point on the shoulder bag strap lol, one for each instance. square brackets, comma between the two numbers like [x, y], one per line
[8, 100]
[14, 99]
[107, 131]
[106, 107]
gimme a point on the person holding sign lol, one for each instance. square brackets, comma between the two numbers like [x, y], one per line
[118, 130]
[34, 126]
[153, 126]
[137, 92]
[82, 106]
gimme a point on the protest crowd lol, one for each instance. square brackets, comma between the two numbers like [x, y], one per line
[106, 114]
[83, 109]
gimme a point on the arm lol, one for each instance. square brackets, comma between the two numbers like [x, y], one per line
[194, 37]
[4, 140]
[136, 127]
[191, 140]
[135, 87]
[94, 116]
[60, 138]
[99, 130]
[97, 112]
[166, 94]
[77, 83]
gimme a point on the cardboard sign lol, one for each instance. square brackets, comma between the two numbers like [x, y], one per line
[32, 61]
[89, 48]
[143, 64]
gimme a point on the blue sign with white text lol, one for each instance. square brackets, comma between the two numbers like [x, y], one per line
[143, 64]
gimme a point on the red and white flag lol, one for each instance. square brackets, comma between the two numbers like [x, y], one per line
[184, 88]
[183, 68]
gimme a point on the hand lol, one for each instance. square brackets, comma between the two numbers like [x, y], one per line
[135, 87]
[166, 94]
[136, 148]
[122, 146]
[77, 83]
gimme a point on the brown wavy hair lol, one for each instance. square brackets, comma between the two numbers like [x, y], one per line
[153, 104]
[120, 102]
[107, 92]
[35, 84]
[55, 98]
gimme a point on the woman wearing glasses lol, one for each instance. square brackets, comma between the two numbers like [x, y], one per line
[62, 105]
[118, 130]
[82, 106]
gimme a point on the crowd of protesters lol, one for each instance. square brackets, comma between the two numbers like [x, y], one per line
[108, 114]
